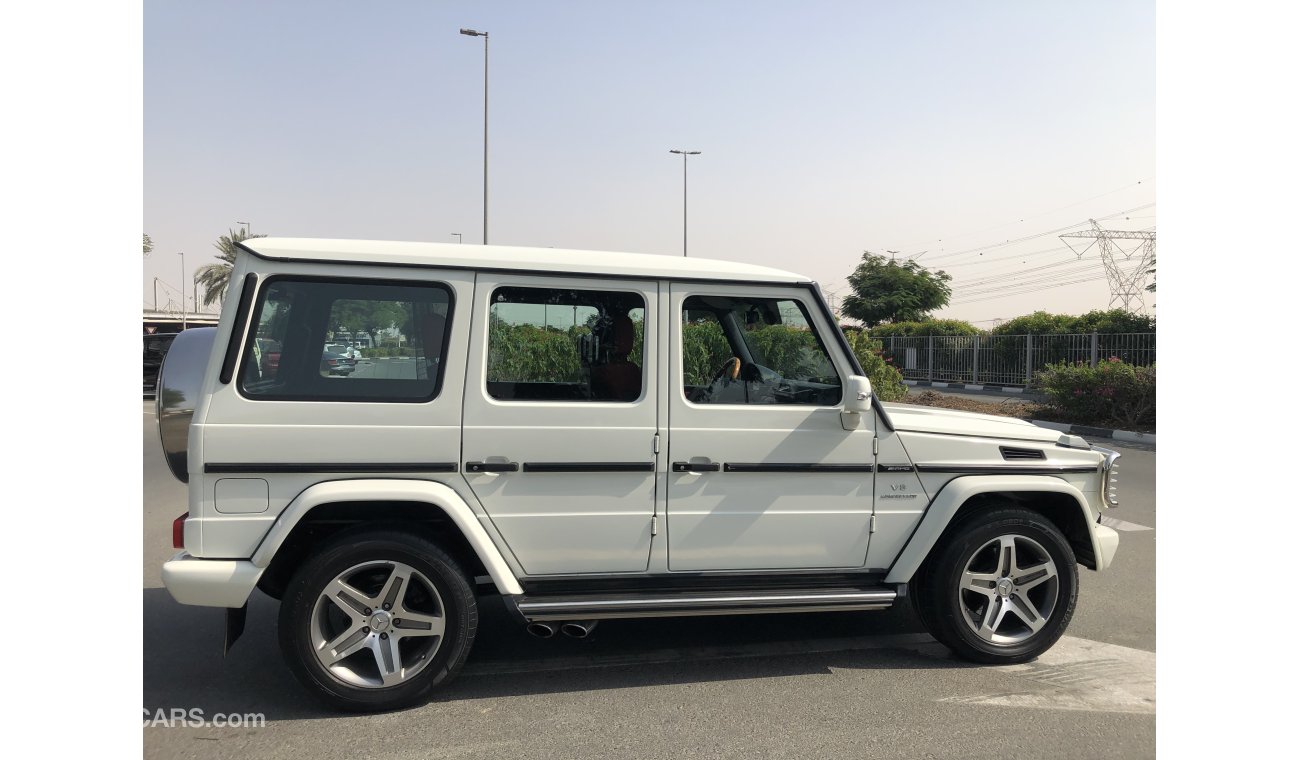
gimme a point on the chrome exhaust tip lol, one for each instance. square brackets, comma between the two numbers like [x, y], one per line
[542, 630]
[578, 629]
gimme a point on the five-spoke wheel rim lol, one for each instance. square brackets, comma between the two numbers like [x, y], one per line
[1008, 590]
[377, 624]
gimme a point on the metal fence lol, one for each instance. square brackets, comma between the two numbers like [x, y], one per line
[1009, 359]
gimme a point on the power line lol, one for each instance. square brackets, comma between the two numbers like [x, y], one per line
[1026, 288]
[1031, 216]
[1003, 244]
[1041, 277]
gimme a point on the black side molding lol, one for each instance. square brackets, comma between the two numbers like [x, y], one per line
[253, 467]
[589, 466]
[960, 469]
[794, 467]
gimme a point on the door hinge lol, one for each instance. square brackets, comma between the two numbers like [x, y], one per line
[654, 525]
[656, 443]
[872, 529]
[875, 447]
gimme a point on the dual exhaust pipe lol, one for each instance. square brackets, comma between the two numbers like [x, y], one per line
[578, 629]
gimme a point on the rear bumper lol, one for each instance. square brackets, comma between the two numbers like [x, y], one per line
[1107, 541]
[210, 582]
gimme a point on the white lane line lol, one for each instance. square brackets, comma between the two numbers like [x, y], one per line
[1077, 674]
[1111, 522]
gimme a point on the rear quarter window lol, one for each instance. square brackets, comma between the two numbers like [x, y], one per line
[299, 326]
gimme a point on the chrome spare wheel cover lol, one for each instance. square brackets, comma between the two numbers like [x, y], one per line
[1008, 590]
[377, 624]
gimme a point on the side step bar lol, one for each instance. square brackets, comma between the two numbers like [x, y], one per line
[686, 604]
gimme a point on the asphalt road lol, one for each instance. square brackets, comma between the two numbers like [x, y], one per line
[868, 684]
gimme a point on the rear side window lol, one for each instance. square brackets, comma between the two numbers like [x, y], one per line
[303, 327]
[560, 344]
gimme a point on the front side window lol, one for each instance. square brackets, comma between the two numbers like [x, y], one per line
[305, 334]
[560, 344]
[738, 350]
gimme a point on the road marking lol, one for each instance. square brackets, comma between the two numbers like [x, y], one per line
[1111, 522]
[1077, 674]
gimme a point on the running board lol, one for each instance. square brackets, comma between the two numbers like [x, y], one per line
[686, 604]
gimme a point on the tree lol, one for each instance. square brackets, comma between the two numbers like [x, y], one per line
[885, 290]
[148, 244]
[216, 277]
[1151, 287]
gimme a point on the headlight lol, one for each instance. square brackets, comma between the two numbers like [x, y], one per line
[1109, 476]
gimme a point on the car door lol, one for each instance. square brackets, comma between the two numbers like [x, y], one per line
[764, 475]
[561, 417]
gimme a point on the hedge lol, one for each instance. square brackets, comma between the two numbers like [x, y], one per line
[1111, 392]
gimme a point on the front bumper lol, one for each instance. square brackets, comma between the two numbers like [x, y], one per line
[1107, 541]
[210, 582]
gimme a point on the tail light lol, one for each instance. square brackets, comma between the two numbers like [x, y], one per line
[178, 531]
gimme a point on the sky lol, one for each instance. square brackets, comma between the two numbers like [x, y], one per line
[939, 130]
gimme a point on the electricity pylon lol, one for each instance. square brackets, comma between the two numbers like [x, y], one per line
[1126, 286]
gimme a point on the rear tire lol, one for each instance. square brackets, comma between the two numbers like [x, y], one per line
[377, 620]
[1001, 588]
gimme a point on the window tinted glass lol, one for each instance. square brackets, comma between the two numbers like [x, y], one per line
[302, 329]
[565, 345]
[739, 350]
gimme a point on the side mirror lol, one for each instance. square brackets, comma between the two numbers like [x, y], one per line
[857, 395]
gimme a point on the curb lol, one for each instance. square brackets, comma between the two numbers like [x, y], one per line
[1096, 432]
[962, 386]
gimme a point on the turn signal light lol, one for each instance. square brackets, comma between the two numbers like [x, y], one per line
[178, 531]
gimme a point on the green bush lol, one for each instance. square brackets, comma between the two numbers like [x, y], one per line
[928, 327]
[886, 380]
[1106, 322]
[1111, 392]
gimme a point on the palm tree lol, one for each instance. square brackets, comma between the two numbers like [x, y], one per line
[216, 277]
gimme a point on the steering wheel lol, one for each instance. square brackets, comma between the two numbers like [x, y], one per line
[730, 369]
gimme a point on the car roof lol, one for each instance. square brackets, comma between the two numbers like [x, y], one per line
[511, 258]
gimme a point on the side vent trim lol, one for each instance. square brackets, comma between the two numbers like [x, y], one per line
[1012, 454]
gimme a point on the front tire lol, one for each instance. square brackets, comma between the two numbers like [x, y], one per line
[377, 621]
[1001, 588]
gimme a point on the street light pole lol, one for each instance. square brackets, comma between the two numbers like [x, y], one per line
[248, 228]
[484, 35]
[684, 154]
[184, 323]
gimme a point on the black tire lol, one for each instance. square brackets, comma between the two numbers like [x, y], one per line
[454, 598]
[953, 615]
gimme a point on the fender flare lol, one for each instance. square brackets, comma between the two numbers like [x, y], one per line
[421, 491]
[956, 493]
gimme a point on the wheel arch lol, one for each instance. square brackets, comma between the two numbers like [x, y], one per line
[964, 498]
[430, 509]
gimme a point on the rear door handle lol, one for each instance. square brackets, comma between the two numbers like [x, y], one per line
[491, 467]
[696, 467]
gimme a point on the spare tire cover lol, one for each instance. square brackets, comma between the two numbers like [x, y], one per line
[180, 382]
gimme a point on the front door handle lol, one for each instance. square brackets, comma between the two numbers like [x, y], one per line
[491, 467]
[696, 467]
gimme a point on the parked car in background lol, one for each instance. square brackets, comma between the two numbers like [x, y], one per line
[268, 354]
[155, 348]
[336, 364]
[349, 352]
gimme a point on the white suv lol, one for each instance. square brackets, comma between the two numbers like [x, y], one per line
[591, 436]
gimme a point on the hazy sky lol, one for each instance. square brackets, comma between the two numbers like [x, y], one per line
[826, 129]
